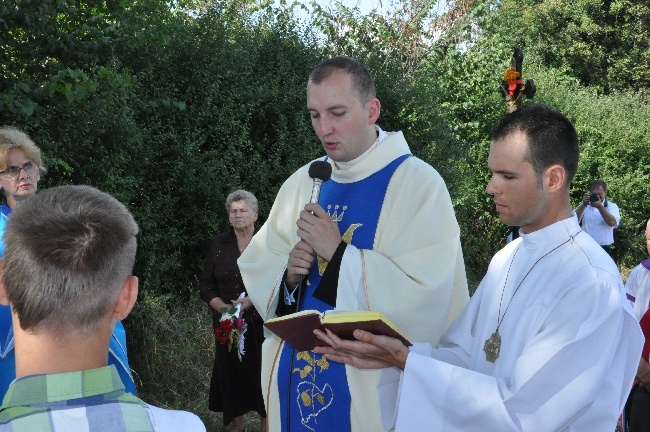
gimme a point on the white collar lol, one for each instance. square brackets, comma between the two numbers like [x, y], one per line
[381, 136]
[551, 234]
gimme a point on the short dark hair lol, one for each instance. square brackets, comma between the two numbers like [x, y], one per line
[361, 78]
[552, 139]
[69, 250]
[596, 183]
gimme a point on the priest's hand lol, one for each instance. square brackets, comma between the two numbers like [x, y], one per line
[318, 229]
[369, 351]
[301, 258]
[643, 374]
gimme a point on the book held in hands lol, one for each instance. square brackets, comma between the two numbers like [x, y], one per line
[297, 329]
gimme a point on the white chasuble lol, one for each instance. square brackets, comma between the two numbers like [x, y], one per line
[414, 273]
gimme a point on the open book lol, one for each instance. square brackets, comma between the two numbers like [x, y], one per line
[298, 328]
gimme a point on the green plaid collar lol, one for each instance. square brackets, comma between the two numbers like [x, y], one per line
[38, 389]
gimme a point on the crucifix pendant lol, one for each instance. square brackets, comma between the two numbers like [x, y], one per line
[492, 347]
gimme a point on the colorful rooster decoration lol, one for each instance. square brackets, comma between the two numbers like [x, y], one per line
[513, 87]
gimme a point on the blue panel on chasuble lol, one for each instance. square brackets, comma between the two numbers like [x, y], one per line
[314, 394]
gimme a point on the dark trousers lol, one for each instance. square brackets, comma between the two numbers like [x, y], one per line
[637, 410]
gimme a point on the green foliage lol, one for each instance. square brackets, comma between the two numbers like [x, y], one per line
[50, 50]
[615, 140]
[171, 351]
[602, 43]
[169, 121]
[218, 107]
[615, 146]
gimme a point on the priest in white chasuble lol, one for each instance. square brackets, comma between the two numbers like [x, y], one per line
[383, 237]
[549, 341]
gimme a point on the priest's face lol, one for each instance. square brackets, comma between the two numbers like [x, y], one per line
[647, 237]
[515, 186]
[343, 122]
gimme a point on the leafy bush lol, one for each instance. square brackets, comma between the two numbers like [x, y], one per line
[615, 144]
[171, 351]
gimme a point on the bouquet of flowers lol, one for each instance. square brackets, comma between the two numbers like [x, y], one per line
[231, 330]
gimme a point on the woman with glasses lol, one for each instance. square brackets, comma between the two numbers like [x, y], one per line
[21, 167]
[20, 170]
[235, 387]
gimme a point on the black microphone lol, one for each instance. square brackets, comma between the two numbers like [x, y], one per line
[319, 171]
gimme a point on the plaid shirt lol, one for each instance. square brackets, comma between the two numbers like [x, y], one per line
[91, 400]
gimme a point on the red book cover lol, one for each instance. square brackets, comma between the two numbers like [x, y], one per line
[298, 329]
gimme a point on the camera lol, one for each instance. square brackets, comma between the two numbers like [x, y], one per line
[594, 197]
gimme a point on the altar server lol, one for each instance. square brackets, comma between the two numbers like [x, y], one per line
[548, 342]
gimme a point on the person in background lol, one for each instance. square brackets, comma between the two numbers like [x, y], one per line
[67, 276]
[637, 285]
[599, 216]
[235, 387]
[21, 167]
[548, 342]
[383, 237]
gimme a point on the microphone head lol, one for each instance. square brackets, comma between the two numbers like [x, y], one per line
[320, 170]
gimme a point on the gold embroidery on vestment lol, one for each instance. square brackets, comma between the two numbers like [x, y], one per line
[312, 400]
[346, 237]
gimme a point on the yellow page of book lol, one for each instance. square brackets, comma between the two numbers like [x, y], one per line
[336, 317]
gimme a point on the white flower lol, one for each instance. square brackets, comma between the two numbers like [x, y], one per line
[241, 342]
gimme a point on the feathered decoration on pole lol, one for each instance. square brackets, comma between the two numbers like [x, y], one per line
[512, 86]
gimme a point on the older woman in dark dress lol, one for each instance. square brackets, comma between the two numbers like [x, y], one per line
[235, 388]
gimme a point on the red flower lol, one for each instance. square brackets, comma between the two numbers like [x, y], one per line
[512, 87]
[230, 332]
[221, 336]
[226, 326]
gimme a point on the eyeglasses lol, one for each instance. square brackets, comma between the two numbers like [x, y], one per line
[30, 168]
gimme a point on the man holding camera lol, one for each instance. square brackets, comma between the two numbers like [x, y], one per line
[599, 217]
